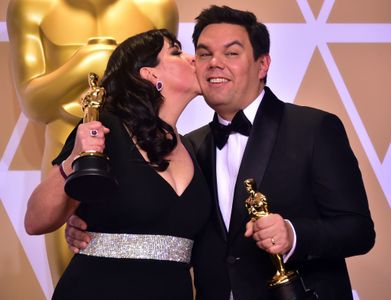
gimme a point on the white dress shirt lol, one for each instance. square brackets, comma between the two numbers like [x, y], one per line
[228, 161]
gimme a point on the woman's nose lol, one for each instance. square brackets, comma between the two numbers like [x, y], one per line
[190, 58]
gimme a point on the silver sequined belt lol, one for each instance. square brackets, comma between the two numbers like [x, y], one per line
[139, 246]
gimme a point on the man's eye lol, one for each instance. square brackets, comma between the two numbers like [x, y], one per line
[203, 54]
[231, 53]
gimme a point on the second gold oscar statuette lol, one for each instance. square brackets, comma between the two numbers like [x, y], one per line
[285, 285]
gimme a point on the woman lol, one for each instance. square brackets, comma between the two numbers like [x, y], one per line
[142, 236]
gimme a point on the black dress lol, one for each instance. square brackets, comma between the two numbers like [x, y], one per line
[145, 205]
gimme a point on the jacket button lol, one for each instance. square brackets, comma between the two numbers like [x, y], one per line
[232, 259]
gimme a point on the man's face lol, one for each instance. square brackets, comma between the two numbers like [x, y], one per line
[229, 77]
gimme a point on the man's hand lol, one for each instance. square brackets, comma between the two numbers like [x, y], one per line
[271, 233]
[75, 234]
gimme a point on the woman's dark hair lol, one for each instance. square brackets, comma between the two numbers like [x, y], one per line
[136, 100]
[257, 31]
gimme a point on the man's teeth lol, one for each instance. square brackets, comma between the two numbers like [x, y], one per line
[217, 80]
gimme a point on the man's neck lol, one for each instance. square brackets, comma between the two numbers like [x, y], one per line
[228, 115]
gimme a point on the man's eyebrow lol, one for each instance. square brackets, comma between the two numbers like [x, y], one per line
[235, 42]
[202, 46]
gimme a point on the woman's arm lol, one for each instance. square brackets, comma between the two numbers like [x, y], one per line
[49, 206]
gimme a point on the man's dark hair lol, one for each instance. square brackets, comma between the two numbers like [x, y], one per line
[257, 32]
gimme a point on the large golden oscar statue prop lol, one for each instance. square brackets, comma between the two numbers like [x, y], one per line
[285, 285]
[54, 44]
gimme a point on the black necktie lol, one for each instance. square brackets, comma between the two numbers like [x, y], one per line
[221, 132]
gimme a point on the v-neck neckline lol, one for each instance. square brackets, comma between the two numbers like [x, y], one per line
[157, 173]
[161, 177]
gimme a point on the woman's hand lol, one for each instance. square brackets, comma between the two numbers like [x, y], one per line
[90, 137]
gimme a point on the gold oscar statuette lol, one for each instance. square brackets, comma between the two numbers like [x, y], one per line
[91, 179]
[93, 99]
[285, 285]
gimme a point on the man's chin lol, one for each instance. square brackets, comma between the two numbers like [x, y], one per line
[215, 104]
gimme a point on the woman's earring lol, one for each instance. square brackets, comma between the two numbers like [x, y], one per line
[159, 85]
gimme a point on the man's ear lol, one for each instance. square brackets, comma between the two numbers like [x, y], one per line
[264, 63]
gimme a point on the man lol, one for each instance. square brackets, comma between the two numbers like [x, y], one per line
[301, 159]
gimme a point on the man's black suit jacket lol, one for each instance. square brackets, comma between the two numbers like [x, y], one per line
[301, 160]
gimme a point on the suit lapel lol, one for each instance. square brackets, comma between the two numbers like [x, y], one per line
[256, 155]
[206, 157]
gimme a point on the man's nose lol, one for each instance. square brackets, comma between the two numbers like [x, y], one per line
[216, 62]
